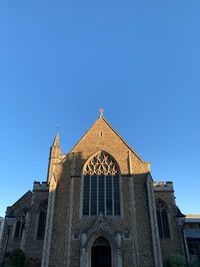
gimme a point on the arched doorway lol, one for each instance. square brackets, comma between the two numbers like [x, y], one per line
[101, 253]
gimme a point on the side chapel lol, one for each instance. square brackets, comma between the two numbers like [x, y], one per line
[99, 207]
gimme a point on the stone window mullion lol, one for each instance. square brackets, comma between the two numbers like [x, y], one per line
[162, 218]
[101, 190]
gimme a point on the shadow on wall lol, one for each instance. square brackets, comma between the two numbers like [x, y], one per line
[33, 263]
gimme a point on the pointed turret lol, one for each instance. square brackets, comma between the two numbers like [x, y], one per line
[56, 142]
[55, 155]
[55, 151]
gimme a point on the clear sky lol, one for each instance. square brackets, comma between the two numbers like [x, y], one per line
[60, 61]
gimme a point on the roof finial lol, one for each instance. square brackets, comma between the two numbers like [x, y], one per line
[58, 127]
[101, 111]
[56, 141]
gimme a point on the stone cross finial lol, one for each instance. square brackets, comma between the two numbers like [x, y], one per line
[101, 111]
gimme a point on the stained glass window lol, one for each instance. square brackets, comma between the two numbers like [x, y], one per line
[101, 192]
[116, 195]
[162, 219]
[101, 188]
[42, 220]
[20, 223]
[109, 195]
[86, 192]
[93, 195]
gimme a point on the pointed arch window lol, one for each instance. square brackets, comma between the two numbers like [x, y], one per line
[162, 218]
[20, 224]
[42, 220]
[101, 186]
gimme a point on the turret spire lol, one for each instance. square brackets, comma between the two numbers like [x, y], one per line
[55, 156]
[56, 142]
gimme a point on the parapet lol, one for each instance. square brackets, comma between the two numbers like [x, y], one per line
[163, 186]
[43, 186]
[192, 218]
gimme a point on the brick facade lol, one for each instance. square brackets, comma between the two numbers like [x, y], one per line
[69, 236]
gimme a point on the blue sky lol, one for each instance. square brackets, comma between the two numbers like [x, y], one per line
[60, 61]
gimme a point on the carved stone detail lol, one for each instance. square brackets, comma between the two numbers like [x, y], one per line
[101, 227]
[101, 164]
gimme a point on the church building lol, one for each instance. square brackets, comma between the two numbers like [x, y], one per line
[99, 207]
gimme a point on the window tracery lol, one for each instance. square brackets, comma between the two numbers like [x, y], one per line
[162, 218]
[101, 186]
[101, 164]
[20, 223]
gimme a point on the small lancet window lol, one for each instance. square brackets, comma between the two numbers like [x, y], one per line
[101, 186]
[162, 218]
[100, 133]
